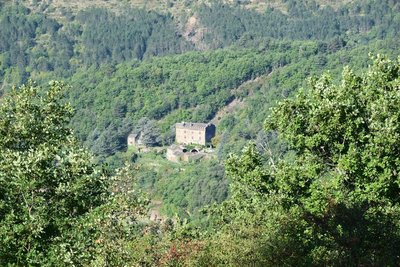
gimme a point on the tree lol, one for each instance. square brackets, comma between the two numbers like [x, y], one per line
[345, 177]
[336, 201]
[56, 207]
[148, 131]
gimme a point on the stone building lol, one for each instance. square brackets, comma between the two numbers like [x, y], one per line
[178, 153]
[135, 140]
[194, 133]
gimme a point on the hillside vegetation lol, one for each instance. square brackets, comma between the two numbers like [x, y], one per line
[37, 45]
[56, 7]
[127, 64]
[292, 197]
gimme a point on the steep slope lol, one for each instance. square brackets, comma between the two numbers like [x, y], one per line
[36, 43]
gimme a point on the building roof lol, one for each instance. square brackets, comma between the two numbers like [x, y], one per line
[192, 125]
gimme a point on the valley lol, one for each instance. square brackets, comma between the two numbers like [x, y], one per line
[283, 184]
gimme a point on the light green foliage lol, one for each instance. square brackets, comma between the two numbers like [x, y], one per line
[182, 189]
[188, 87]
[45, 176]
[336, 202]
[345, 176]
[249, 179]
[56, 208]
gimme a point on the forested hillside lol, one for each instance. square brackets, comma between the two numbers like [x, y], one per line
[35, 43]
[142, 66]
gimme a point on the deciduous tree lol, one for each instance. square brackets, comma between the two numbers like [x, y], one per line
[56, 207]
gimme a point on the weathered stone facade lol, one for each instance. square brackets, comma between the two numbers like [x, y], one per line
[194, 133]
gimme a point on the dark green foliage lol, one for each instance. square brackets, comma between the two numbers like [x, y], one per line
[23, 52]
[304, 21]
[108, 37]
[16, 25]
[34, 44]
[186, 192]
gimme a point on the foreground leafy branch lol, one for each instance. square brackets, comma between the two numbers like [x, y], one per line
[345, 177]
[56, 207]
[335, 201]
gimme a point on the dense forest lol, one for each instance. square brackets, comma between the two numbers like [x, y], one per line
[304, 168]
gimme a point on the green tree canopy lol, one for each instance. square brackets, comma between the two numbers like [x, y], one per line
[336, 200]
[345, 178]
[56, 207]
